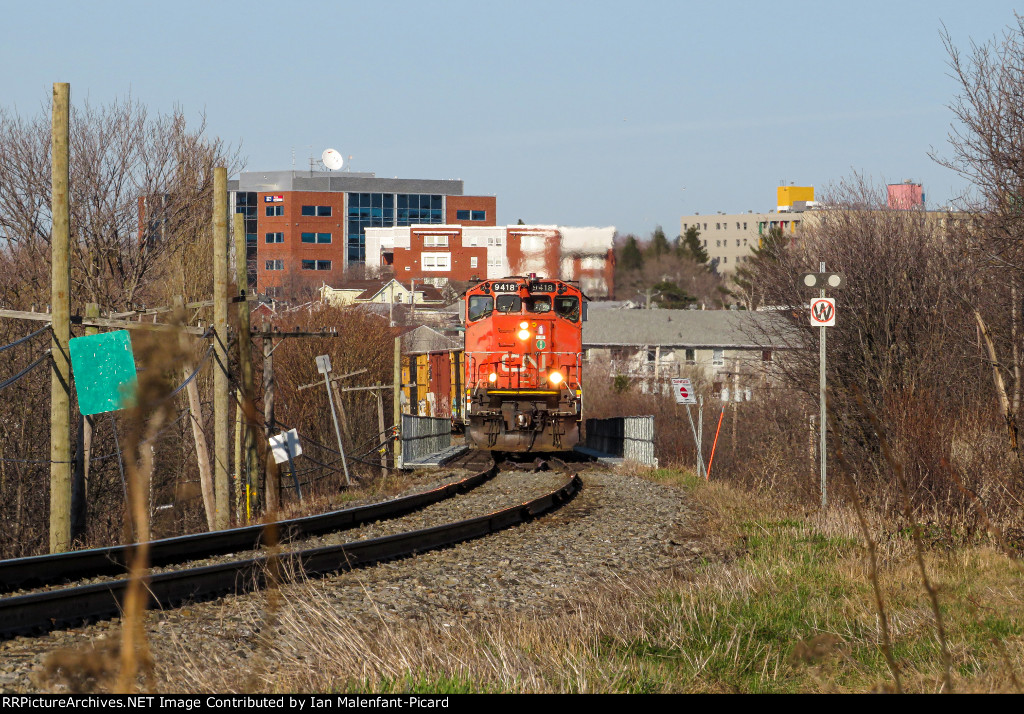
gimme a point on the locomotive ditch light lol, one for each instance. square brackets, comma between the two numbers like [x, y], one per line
[523, 325]
[555, 377]
[524, 334]
[493, 377]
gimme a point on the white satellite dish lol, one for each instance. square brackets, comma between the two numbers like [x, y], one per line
[332, 159]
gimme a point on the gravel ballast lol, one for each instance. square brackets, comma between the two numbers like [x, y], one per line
[618, 526]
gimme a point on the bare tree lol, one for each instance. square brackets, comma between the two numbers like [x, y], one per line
[141, 191]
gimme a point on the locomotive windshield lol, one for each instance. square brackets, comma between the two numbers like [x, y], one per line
[509, 303]
[568, 307]
[480, 306]
[538, 304]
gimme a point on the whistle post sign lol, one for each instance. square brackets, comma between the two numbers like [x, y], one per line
[823, 312]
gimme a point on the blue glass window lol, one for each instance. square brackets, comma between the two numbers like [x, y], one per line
[316, 211]
[462, 215]
[274, 237]
[479, 215]
[275, 210]
[316, 237]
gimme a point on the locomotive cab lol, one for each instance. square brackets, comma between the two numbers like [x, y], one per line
[523, 364]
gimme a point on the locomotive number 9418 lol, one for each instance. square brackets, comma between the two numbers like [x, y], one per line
[523, 360]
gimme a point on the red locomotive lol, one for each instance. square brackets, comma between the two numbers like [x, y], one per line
[524, 337]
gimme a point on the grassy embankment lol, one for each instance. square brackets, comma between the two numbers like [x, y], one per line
[767, 597]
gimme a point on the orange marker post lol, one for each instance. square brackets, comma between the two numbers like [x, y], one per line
[707, 474]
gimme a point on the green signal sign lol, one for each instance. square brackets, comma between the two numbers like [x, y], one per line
[104, 369]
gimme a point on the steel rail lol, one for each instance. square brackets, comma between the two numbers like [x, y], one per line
[65, 567]
[45, 611]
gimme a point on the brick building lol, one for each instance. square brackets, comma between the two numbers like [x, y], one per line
[461, 253]
[309, 227]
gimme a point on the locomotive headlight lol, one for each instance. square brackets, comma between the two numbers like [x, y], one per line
[493, 377]
[524, 325]
[555, 377]
[524, 334]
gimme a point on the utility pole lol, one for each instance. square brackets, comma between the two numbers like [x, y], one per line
[273, 485]
[396, 403]
[245, 360]
[83, 451]
[221, 397]
[60, 378]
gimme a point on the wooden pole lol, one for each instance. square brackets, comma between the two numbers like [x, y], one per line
[383, 434]
[242, 489]
[202, 450]
[245, 361]
[195, 418]
[221, 397]
[273, 489]
[83, 453]
[60, 379]
[396, 403]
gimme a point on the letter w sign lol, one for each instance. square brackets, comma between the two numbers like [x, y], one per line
[823, 312]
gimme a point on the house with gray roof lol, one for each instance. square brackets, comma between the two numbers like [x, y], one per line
[732, 350]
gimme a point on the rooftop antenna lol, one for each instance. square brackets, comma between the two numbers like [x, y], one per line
[332, 159]
[350, 162]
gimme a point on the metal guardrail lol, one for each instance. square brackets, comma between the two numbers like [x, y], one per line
[631, 438]
[424, 436]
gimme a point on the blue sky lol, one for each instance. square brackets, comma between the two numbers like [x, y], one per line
[577, 113]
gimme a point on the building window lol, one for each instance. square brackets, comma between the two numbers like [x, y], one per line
[316, 210]
[275, 265]
[418, 208]
[737, 242]
[462, 215]
[494, 262]
[472, 261]
[725, 259]
[275, 237]
[479, 215]
[718, 226]
[718, 358]
[737, 225]
[316, 237]
[652, 356]
[495, 240]
[435, 241]
[744, 225]
[275, 210]
[436, 261]
[766, 355]
[690, 356]
[316, 265]
[718, 243]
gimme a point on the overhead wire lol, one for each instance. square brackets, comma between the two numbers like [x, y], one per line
[11, 380]
[25, 338]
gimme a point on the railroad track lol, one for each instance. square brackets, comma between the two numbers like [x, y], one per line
[52, 609]
[20, 573]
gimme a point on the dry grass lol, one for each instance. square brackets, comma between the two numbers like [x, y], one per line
[775, 598]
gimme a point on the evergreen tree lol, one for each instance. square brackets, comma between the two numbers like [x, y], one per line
[659, 244]
[631, 258]
[671, 296]
[689, 245]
